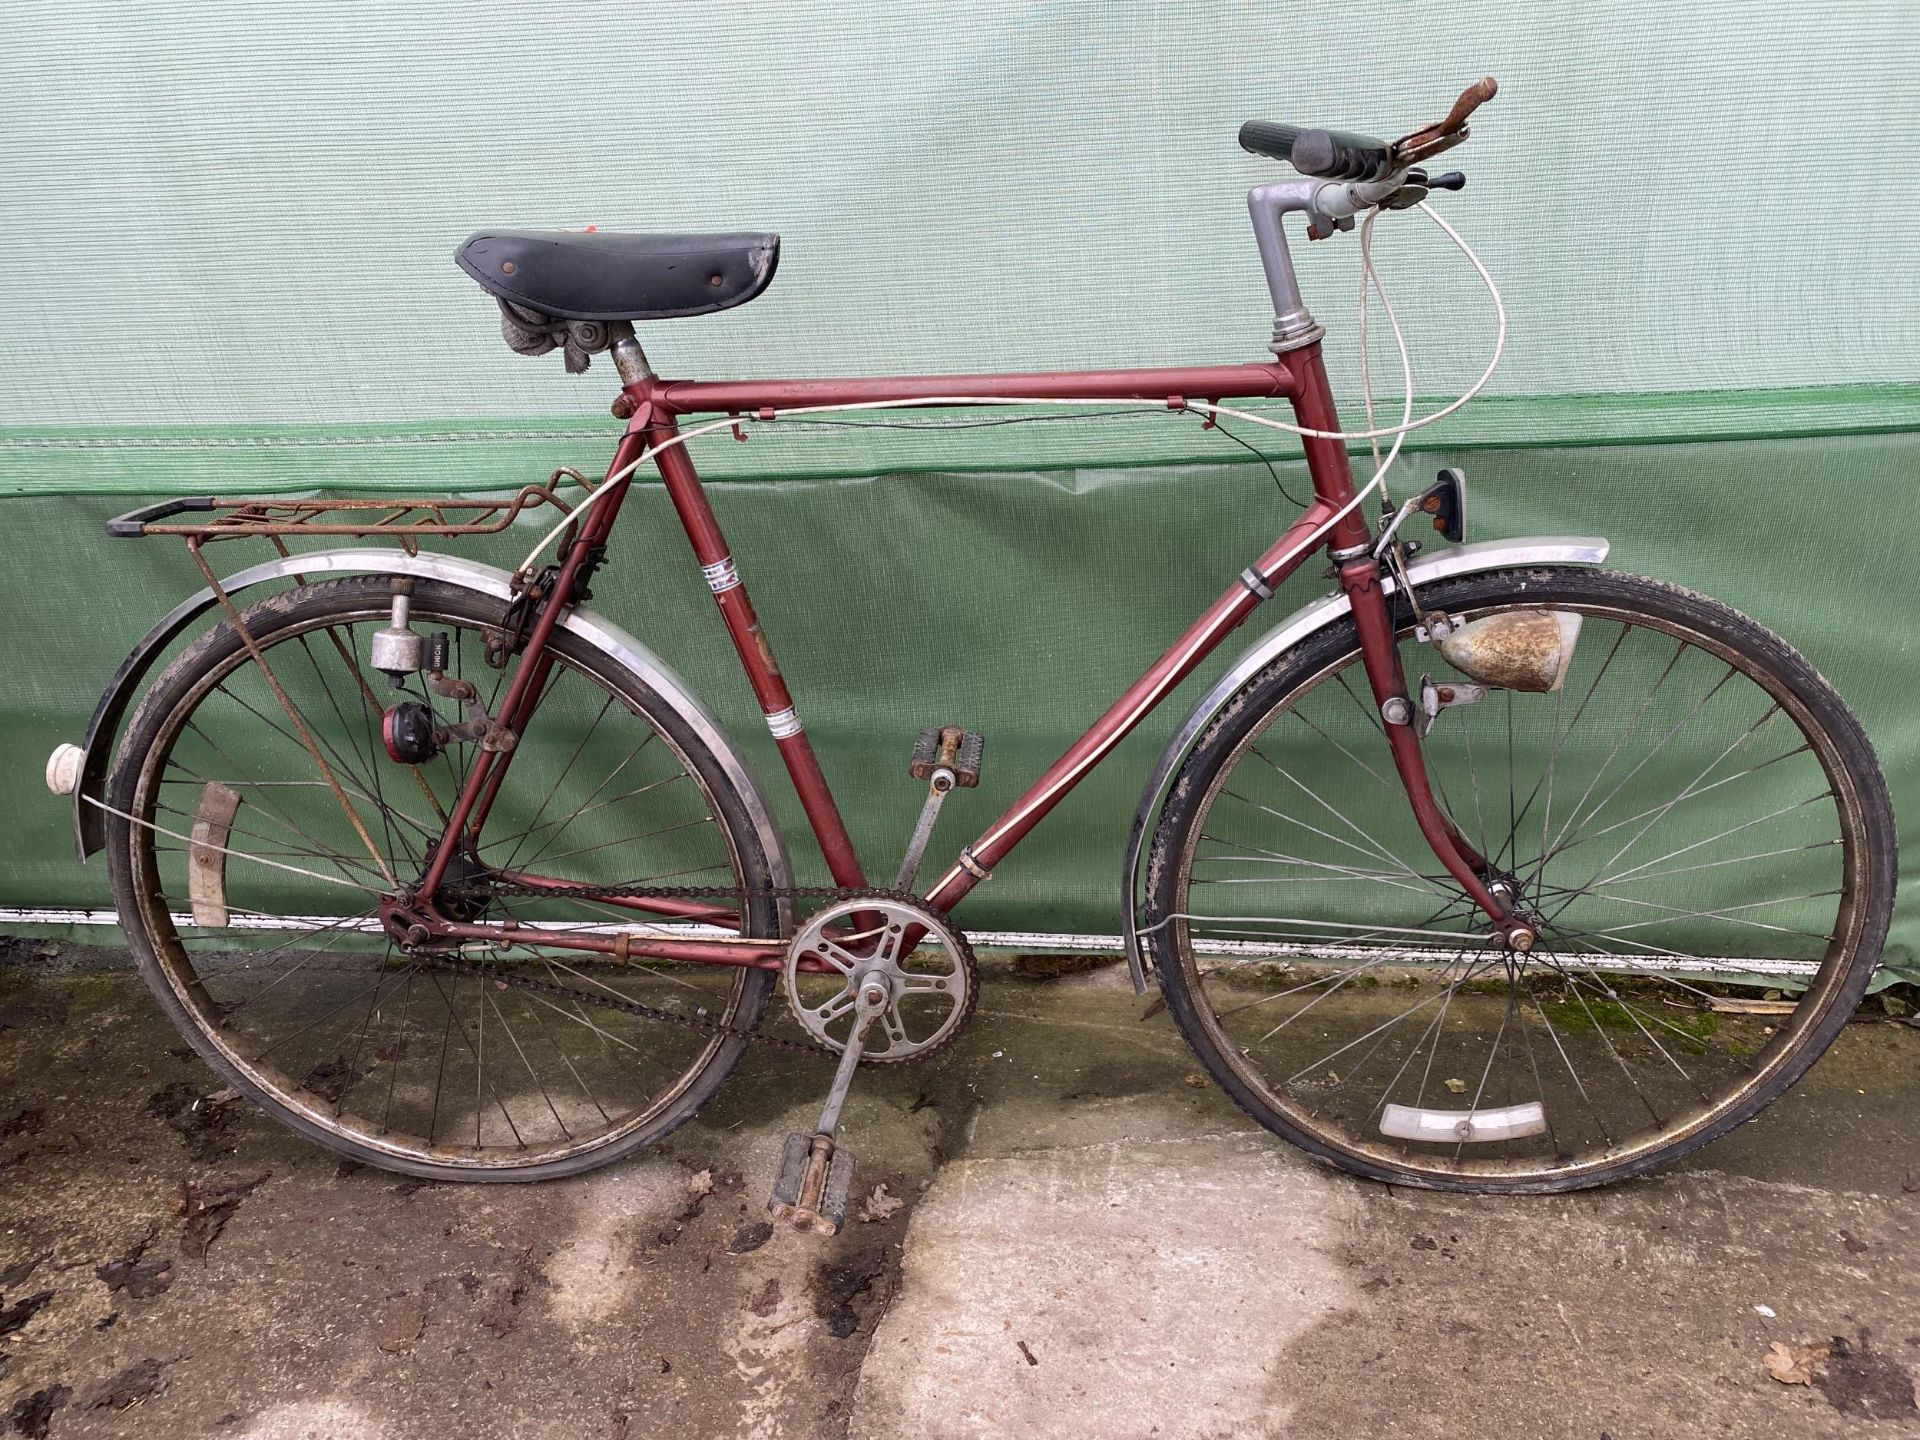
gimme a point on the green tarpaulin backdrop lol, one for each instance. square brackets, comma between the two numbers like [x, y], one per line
[229, 234]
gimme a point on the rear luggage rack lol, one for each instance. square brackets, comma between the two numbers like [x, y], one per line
[206, 518]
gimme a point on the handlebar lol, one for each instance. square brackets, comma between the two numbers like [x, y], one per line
[1342, 155]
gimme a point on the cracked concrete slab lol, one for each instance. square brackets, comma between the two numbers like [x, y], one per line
[1156, 1281]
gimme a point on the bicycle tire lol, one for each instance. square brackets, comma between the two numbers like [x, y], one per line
[1868, 867]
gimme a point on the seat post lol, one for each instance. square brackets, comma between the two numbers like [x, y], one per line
[628, 358]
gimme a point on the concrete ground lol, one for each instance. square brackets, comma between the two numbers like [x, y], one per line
[1093, 1243]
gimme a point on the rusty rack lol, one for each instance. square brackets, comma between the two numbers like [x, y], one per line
[404, 519]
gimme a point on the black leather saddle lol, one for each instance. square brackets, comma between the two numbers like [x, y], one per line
[566, 286]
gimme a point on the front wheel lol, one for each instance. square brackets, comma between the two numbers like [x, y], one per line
[1694, 821]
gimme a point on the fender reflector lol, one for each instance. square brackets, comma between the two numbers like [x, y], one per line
[207, 855]
[1452, 1127]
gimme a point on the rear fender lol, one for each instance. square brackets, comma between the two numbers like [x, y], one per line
[89, 821]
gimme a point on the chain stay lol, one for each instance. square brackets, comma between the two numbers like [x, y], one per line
[652, 1012]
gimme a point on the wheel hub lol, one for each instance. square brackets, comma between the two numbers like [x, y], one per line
[1521, 930]
[465, 890]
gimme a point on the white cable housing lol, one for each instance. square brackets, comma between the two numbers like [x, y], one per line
[1398, 432]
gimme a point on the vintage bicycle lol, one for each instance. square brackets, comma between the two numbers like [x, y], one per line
[1463, 876]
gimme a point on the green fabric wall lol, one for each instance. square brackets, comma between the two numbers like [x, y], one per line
[912, 598]
[229, 238]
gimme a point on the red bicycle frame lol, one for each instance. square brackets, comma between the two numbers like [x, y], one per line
[1298, 375]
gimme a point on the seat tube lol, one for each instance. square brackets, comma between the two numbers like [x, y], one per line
[756, 654]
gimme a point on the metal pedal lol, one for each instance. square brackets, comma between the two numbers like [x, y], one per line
[810, 1190]
[948, 747]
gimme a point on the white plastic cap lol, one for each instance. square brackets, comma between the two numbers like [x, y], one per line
[63, 769]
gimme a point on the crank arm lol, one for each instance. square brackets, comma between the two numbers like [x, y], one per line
[810, 1191]
[937, 791]
[873, 999]
[944, 756]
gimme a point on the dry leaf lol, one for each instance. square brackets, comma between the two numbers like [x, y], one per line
[700, 1183]
[139, 1381]
[206, 1212]
[1795, 1364]
[401, 1323]
[1458, 1087]
[767, 1300]
[1198, 1082]
[880, 1205]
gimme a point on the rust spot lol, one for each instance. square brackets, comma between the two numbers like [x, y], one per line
[766, 650]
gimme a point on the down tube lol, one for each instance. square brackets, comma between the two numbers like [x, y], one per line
[1200, 640]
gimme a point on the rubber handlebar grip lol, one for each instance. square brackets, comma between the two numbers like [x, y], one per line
[1263, 137]
[1336, 155]
[1326, 154]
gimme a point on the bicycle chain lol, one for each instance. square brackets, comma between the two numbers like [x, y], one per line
[697, 892]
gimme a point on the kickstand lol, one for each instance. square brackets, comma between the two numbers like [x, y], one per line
[810, 1190]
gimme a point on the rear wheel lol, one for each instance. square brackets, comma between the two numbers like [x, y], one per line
[248, 891]
[1695, 821]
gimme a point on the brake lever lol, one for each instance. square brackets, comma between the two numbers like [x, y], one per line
[1449, 132]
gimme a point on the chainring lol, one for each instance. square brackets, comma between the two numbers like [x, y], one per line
[461, 965]
[932, 986]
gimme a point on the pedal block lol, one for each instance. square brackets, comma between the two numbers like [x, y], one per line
[810, 1189]
[948, 745]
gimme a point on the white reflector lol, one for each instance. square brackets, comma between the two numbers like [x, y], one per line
[1404, 1122]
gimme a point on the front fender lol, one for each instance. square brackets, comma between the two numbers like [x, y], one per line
[1309, 619]
[89, 821]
